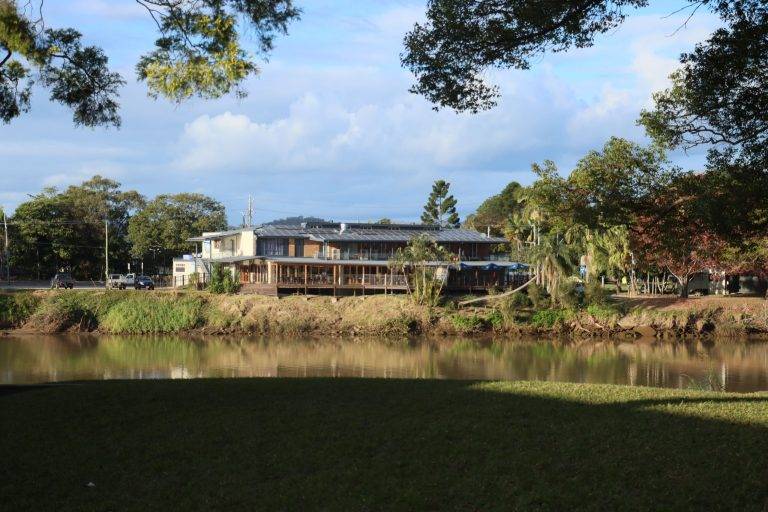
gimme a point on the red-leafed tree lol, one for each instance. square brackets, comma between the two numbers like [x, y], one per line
[683, 248]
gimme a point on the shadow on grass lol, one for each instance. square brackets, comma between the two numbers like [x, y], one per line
[347, 444]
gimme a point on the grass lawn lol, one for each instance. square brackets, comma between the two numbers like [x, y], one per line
[346, 444]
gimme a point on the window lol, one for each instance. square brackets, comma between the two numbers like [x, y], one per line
[299, 244]
[272, 246]
[180, 269]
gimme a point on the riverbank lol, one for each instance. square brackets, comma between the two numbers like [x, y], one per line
[353, 444]
[143, 312]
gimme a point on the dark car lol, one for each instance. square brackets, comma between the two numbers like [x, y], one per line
[144, 282]
[63, 280]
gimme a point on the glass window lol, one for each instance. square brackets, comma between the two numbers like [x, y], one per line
[272, 246]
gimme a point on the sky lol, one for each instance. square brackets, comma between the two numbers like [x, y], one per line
[329, 128]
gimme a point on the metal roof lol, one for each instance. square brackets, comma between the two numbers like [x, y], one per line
[357, 232]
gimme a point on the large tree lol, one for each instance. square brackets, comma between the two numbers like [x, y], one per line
[441, 206]
[198, 53]
[162, 227]
[496, 212]
[66, 229]
[718, 98]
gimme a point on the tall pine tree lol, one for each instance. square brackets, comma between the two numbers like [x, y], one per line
[441, 206]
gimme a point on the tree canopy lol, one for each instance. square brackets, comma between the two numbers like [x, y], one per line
[625, 209]
[199, 52]
[718, 95]
[441, 206]
[66, 230]
[163, 226]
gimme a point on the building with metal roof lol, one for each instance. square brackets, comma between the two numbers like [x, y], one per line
[346, 256]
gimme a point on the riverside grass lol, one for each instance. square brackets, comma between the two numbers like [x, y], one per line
[145, 312]
[369, 444]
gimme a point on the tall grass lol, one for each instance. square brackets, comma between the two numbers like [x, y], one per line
[16, 308]
[150, 313]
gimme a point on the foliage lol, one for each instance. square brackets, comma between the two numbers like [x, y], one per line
[450, 52]
[554, 261]
[425, 281]
[605, 312]
[76, 76]
[467, 323]
[141, 313]
[16, 308]
[296, 220]
[567, 295]
[497, 211]
[65, 230]
[595, 294]
[549, 318]
[538, 296]
[198, 53]
[509, 307]
[717, 98]
[441, 206]
[165, 223]
[222, 280]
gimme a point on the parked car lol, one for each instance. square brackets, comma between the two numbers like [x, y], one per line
[144, 282]
[121, 281]
[63, 280]
[114, 280]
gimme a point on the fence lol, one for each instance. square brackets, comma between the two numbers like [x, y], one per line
[198, 281]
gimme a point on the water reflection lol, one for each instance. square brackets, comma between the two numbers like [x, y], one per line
[735, 366]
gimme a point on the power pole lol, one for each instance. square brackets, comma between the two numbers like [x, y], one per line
[106, 252]
[7, 251]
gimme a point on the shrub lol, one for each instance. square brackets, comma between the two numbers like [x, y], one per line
[16, 308]
[548, 318]
[568, 295]
[595, 294]
[519, 300]
[507, 309]
[497, 320]
[467, 323]
[603, 312]
[222, 280]
[538, 296]
[63, 310]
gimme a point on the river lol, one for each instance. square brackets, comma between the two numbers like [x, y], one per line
[732, 366]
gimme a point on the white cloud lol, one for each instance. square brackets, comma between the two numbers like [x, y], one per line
[112, 9]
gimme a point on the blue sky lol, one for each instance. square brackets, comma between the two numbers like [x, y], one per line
[328, 127]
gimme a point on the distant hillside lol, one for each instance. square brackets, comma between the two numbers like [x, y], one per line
[294, 220]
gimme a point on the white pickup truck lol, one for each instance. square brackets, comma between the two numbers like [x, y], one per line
[121, 281]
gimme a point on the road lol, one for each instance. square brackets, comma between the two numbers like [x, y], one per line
[46, 285]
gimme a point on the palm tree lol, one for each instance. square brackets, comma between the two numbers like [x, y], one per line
[554, 260]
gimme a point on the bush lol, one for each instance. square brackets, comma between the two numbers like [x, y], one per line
[507, 309]
[548, 318]
[595, 294]
[520, 300]
[16, 308]
[539, 297]
[467, 323]
[222, 280]
[603, 312]
[497, 319]
[568, 295]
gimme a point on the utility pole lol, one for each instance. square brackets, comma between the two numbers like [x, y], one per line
[7, 251]
[106, 252]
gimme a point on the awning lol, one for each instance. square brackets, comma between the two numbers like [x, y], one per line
[491, 265]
